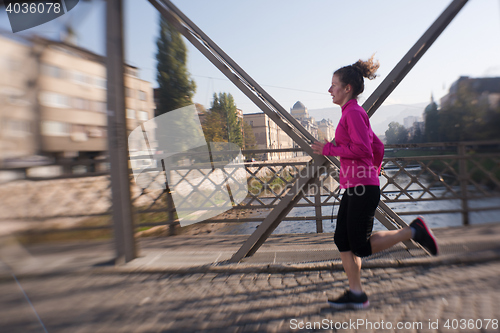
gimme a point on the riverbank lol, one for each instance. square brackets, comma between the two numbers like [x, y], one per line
[203, 228]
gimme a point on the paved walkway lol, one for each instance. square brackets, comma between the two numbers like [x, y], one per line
[182, 284]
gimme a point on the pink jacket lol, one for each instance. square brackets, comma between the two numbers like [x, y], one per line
[360, 150]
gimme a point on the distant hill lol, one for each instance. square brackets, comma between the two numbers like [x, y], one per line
[381, 119]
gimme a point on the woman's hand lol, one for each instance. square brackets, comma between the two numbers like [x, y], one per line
[318, 147]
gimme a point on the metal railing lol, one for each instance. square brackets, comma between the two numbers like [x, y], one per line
[460, 178]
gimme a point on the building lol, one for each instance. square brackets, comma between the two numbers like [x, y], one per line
[326, 129]
[61, 89]
[486, 90]
[299, 112]
[17, 114]
[319, 129]
[409, 121]
[269, 136]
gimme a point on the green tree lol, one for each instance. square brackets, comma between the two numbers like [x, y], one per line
[213, 127]
[223, 105]
[396, 133]
[471, 117]
[249, 136]
[491, 121]
[176, 89]
[418, 136]
[432, 121]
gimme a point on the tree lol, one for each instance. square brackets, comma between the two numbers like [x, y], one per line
[396, 133]
[431, 115]
[418, 136]
[230, 126]
[176, 89]
[471, 117]
[200, 108]
[249, 137]
[213, 128]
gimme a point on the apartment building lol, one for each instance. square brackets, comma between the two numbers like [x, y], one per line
[269, 136]
[17, 117]
[61, 90]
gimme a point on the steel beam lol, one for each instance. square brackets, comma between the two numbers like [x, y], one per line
[285, 121]
[235, 73]
[412, 57]
[117, 135]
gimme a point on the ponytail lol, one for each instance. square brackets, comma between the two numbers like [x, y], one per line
[354, 74]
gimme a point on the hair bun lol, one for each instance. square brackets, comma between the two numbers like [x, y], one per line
[354, 74]
[367, 68]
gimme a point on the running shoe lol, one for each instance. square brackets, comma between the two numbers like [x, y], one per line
[424, 236]
[349, 300]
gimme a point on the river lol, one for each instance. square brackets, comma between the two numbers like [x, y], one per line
[440, 220]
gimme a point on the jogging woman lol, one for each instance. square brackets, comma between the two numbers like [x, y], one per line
[361, 153]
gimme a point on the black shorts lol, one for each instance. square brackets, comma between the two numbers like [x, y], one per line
[355, 219]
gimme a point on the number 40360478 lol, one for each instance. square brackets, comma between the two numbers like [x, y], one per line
[34, 8]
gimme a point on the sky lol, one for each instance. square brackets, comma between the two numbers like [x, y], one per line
[292, 47]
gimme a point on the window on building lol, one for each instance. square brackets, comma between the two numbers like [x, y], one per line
[129, 92]
[79, 77]
[55, 128]
[80, 103]
[18, 100]
[79, 133]
[251, 122]
[142, 95]
[14, 64]
[130, 114]
[95, 131]
[142, 115]
[54, 100]
[53, 71]
[132, 71]
[17, 128]
[98, 106]
[100, 82]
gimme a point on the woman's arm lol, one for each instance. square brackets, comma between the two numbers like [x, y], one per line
[359, 145]
[378, 151]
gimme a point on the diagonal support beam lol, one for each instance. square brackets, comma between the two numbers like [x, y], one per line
[287, 123]
[412, 57]
[308, 176]
[236, 74]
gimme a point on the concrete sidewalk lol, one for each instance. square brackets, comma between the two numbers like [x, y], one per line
[201, 254]
[181, 284]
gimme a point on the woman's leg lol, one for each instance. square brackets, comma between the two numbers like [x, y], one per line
[349, 236]
[351, 262]
[352, 268]
[359, 215]
[382, 240]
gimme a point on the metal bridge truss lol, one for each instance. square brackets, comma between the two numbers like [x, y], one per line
[282, 118]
